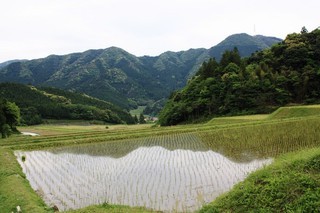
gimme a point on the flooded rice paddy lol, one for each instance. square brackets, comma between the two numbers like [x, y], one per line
[176, 173]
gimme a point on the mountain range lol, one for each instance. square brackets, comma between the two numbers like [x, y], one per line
[121, 78]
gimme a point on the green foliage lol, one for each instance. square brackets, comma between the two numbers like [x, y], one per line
[313, 165]
[154, 108]
[12, 114]
[141, 119]
[9, 118]
[30, 116]
[118, 77]
[230, 57]
[136, 120]
[5, 131]
[289, 72]
[38, 103]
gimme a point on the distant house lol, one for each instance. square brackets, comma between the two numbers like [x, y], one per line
[152, 119]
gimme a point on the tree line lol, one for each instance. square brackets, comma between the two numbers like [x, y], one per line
[37, 104]
[288, 72]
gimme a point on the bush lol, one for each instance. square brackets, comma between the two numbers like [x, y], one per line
[6, 131]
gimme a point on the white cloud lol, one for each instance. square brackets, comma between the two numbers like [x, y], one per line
[37, 28]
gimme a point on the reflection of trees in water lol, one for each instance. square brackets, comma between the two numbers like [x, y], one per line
[117, 149]
[152, 176]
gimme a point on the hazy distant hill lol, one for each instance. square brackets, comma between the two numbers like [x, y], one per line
[6, 63]
[119, 77]
[245, 43]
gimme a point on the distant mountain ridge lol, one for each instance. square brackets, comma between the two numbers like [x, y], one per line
[121, 78]
[245, 43]
[6, 63]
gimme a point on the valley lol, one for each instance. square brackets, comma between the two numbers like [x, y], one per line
[241, 134]
[240, 139]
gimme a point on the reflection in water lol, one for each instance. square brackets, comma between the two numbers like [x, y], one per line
[151, 175]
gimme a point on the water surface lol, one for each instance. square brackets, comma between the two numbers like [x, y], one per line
[166, 173]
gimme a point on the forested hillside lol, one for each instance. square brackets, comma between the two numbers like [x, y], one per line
[37, 103]
[121, 78]
[289, 72]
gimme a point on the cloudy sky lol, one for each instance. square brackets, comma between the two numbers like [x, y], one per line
[37, 28]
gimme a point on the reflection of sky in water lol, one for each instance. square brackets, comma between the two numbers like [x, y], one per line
[154, 177]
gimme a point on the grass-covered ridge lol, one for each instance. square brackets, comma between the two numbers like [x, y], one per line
[259, 135]
[291, 184]
[295, 111]
[15, 189]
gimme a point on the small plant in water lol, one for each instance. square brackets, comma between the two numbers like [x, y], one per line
[106, 205]
[23, 158]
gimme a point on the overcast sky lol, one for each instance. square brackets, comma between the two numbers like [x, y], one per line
[37, 28]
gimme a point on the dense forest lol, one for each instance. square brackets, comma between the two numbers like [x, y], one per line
[9, 118]
[121, 78]
[37, 103]
[288, 72]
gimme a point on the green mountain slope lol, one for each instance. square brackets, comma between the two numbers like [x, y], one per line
[289, 72]
[245, 43]
[36, 103]
[119, 77]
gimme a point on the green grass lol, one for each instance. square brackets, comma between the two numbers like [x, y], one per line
[295, 111]
[291, 184]
[110, 208]
[15, 189]
[288, 129]
[237, 119]
[137, 111]
[281, 113]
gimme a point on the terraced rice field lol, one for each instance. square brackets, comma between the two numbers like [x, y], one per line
[172, 169]
[167, 173]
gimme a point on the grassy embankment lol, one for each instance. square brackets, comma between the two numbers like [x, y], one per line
[286, 130]
[290, 184]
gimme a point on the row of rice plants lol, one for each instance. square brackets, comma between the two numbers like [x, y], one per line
[99, 136]
[265, 140]
[149, 175]
[77, 137]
